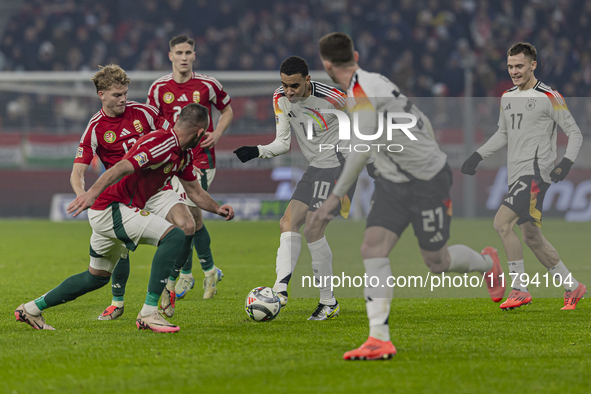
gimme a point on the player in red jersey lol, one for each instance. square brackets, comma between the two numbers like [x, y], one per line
[120, 224]
[170, 94]
[110, 134]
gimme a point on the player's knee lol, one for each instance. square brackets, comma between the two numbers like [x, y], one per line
[501, 227]
[197, 217]
[285, 223]
[187, 225]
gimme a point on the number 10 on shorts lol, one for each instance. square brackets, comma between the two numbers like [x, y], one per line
[321, 189]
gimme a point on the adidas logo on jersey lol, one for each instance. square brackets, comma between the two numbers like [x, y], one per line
[437, 237]
[509, 200]
[183, 98]
[317, 205]
[124, 133]
[508, 107]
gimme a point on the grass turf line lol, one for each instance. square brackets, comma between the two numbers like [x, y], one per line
[444, 345]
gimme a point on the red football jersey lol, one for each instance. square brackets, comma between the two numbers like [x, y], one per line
[156, 158]
[111, 137]
[170, 98]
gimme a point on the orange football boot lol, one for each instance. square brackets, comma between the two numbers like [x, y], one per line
[496, 289]
[372, 349]
[572, 297]
[516, 299]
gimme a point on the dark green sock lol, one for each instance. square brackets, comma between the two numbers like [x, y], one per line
[119, 279]
[183, 255]
[164, 260]
[71, 288]
[202, 243]
[152, 299]
[188, 267]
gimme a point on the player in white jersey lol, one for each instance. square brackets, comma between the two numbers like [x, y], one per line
[295, 102]
[528, 117]
[412, 186]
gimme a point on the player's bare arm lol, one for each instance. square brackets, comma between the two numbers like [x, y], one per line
[211, 139]
[77, 178]
[204, 201]
[110, 177]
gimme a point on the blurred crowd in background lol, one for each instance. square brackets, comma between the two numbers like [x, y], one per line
[420, 44]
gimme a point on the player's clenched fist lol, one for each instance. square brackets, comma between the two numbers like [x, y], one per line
[226, 211]
[469, 166]
[561, 170]
[247, 153]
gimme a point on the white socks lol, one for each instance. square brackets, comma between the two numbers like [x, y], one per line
[209, 272]
[565, 276]
[516, 267]
[290, 245]
[322, 266]
[147, 310]
[464, 259]
[32, 308]
[378, 299]
[170, 284]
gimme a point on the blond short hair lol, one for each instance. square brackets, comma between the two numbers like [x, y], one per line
[108, 76]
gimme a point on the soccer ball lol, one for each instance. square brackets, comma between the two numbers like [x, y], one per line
[262, 304]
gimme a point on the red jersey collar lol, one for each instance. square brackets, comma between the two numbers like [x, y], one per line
[114, 119]
[176, 138]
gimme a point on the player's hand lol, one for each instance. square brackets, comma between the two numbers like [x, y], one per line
[561, 170]
[324, 213]
[82, 202]
[247, 153]
[469, 166]
[372, 171]
[210, 140]
[226, 211]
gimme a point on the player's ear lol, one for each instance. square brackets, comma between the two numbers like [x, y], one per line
[534, 64]
[326, 64]
[170, 56]
[356, 56]
[308, 78]
[101, 94]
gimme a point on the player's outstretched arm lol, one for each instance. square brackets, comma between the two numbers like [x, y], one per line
[211, 139]
[110, 177]
[282, 141]
[204, 201]
[77, 178]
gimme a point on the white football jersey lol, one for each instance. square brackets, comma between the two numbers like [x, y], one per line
[295, 115]
[371, 96]
[527, 125]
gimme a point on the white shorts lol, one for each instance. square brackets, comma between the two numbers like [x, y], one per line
[162, 202]
[118, 229]
[205, 182]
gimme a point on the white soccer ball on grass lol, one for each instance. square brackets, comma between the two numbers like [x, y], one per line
[262, 304]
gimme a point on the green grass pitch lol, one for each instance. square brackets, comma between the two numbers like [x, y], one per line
[445, 345]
